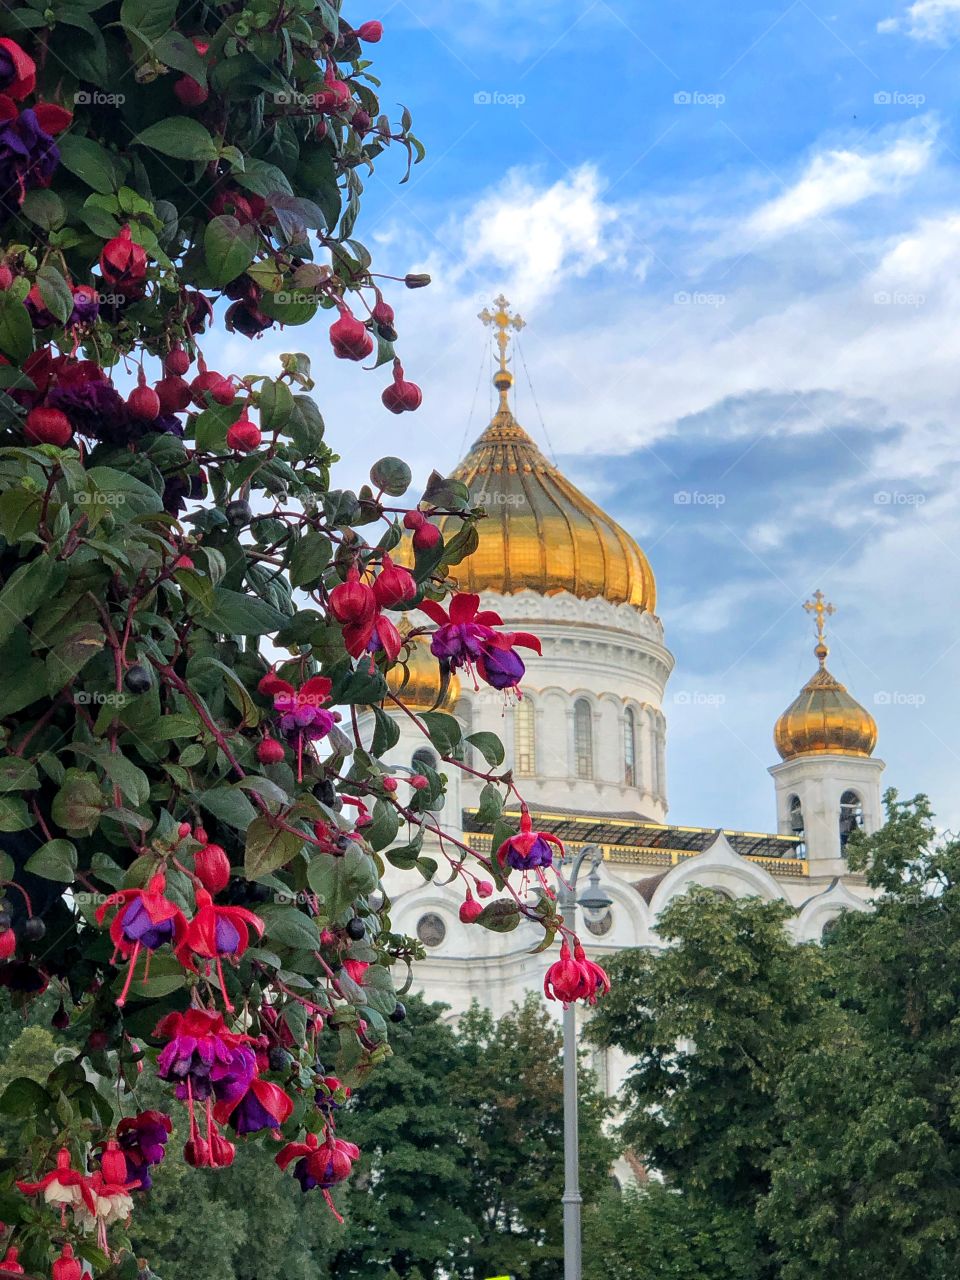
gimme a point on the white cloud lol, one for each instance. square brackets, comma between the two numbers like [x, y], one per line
[838, 179]
[935, 21]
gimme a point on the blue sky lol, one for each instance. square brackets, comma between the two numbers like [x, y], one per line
[734, 232]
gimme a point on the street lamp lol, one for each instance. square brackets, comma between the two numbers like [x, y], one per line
[595, 903]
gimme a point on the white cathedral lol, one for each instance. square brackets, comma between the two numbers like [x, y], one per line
[586, 742]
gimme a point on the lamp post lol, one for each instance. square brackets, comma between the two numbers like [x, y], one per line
[594, 902]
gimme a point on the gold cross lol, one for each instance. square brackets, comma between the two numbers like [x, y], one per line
[503, 320]
[817, 606]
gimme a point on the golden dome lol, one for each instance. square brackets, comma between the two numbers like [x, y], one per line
[824, 719]
[541, 533]
[422, 689]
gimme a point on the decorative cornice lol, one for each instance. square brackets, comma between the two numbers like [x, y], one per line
[529, 606]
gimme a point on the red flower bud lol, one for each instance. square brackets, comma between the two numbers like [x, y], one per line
[371, 32]
[214, 384]
[353, 601]
[200, 835]
[8, 944]
[183, 830]
[389, 784]
[469, 909]
[243, 436]
[122, 260]
[6, 276]
[401, 395]
[183, 562]
[144, 403]
[212, 867]
[393, 585]
[270, 751]
[321, 130]
[413, 519]
[222, 1152]
[174, 394]
[10, 1262]
[418, 781]
[47, 426]
[113, 1165]
[196, 1153]
[427, 536]
[66, 1266]
[484, 888]
[350, 338]
[191, 92]
[177, 362]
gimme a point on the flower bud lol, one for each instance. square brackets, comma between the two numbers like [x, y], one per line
[270, 751]
[353, 600]
[243, 436]
[113, 1164]
[427, 536]
[8, 944]
[484, 888]
[214, 384]
[190, 92]
[349, 337]
[469, 909]
[370, 32]
[389, 784]
[418, 781]
[211, 866]
[416, 281]
[401, 396]
[174, 394]
[122, 260]
[393, 585]
[144, 404]
[177, 361]
[47, 426]
[66, 1266]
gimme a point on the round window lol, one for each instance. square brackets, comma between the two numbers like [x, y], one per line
[431, 930]
[599, 927]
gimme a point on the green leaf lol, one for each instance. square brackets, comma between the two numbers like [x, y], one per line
[230, 805]
[133, 783]
[268, 847]
[122, 494]
[444, 731]
[16, 330]
[392, 476]
[17, 774]
[27, 589]
[276, 405]
[55, 860]
[237, 614]
[14, 814]
[289, 926]
[340, 881]
[263, 179]
[24, 1097]
[166, 976]
[386, 734]
[78, 804]
[44, 208]
[148, 19]
[70, 655]
[384, 825]
[179, 137]
[306, 425]
[310, 556]
[55, 292]
[489, 746]
[89, 162]
[228, 248]
[177, 51]
[491, 804]
[22, 677]
[288, 308]
[499, 916]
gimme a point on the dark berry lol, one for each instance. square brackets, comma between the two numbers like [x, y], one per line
[399, 1013]
[319, 1068]
[356, 928]
[326, 793]
[137, 679]
[61, 1019]
[239, 512]
[278, 1058]
[34, 929]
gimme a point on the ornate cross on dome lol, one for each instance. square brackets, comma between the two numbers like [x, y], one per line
[503, 320]
[821, 610]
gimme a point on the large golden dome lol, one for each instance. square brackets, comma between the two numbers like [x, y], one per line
[824, 719]
[540, 533]
[422, 689]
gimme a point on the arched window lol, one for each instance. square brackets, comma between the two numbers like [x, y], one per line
[829, 927]
[524, 738]
[630, 747]
[583, 738]
[796, 822]
[423, 756]
[851, 816]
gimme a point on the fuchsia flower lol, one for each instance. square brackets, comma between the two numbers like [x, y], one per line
[143, 1139]
[145, 919]
[574, 977]
[529, 850]
[63, 1186]
[96, 1202]
[466, 638]
[320, 1164]
[264, 1105]
[215, 932]
[304, 715]
[18, 71]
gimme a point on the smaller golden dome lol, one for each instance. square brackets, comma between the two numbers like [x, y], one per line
[824, 719]
[422, 689]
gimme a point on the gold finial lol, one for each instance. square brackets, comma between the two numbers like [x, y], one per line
[501, 317]
[821, 610]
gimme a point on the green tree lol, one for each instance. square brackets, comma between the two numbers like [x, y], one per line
[654, 1233]
[406, 1204]
[510, 1086]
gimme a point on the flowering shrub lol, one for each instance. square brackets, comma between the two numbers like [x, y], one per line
[192, 836]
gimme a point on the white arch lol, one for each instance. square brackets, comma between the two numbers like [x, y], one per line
[823, 907]
[718, 867]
